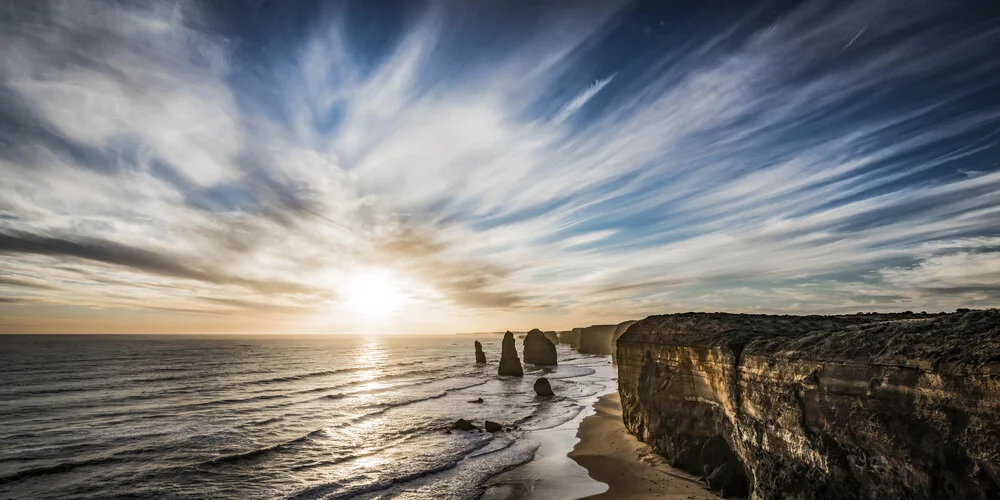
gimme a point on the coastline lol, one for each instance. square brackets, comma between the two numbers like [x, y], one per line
[629, 468]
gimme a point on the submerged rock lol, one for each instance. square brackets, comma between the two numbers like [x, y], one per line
[493, 427]
[464, 425]
[542, 387]
[510, 364]
[477, 401]
[538, 350]
[833, 407]
[480, 355]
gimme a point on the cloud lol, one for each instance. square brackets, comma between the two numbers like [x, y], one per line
[153, 160]
[582, 98]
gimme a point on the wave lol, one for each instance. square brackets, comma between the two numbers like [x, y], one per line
[260, 452]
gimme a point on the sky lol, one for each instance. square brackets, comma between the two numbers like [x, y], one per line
[327, 167]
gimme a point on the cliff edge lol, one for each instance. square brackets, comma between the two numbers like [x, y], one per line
[862, 406]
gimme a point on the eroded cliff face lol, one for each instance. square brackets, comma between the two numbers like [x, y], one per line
[619, 331]
[596, 339]
[872, 406]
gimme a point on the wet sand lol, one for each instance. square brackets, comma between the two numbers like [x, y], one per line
[629, 467]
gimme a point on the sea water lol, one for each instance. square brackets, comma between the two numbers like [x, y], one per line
[282, 416]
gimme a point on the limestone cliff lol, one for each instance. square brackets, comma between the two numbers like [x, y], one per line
[538, 350]
[619, 331]
[802, 407]
[596, 339]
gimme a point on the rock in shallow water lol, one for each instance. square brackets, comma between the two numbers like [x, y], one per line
[493, 427]
[873, 406]
[510, 364]
[464, 425]
[542, 387]
[538, 350]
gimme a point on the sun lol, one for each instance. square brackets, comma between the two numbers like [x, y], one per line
[373, 294]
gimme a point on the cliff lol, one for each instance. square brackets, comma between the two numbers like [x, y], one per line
[596, 339]
[866, 406]
[538, 350]
[619, 331]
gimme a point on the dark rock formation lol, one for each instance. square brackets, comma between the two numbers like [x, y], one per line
[538, 350]
[464, 425]
[510, 364]
[553, 337]
[596, 339]
[572, 337]
[542, 387]
[872, 407]
[477, 401]
[480, 355]
[493, 427]
[619, 331]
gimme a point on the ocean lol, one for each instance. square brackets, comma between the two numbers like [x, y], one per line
[280, 416]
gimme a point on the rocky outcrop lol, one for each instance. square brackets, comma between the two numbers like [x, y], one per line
[538, 350]
[553, 337]
[571, 337]
[596, 339]
[510, 364]
[464, 425]
[480, 355]
[619, 331]
[802, 407]
[543, 388]
[492, 426]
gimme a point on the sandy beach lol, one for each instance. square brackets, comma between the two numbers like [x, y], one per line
[630, 469]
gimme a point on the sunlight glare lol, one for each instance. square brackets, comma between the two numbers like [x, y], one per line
[374, 295]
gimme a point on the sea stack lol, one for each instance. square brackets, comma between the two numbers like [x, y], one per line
[553, 337]
[596, 339]
[480, 355]
[510, 364]
[538, 350]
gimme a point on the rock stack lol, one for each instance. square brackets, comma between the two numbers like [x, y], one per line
[510, 364]
[553, 337]
[538, 350]
[480, 355]
[596, 339]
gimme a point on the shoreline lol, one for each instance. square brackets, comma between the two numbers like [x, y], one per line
[628, 466]
[551, 474]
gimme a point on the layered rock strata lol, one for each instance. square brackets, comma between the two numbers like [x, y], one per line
[538, 350]
[510, 364]
[802, 407]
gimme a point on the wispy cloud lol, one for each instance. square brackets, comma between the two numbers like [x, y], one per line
[156, 164]
[581, 99]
